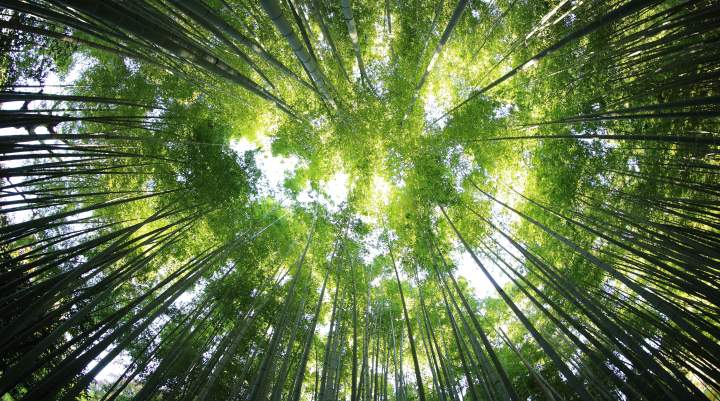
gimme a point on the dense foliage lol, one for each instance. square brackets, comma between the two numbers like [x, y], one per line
[369, 201]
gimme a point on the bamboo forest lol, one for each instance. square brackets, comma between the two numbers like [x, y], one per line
[359, 200]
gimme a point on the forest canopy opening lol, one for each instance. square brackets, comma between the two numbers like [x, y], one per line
[325, 200]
